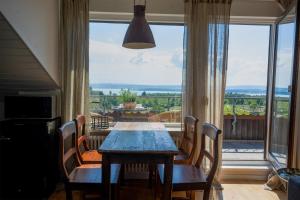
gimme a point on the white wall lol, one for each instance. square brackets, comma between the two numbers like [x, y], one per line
[36, 22]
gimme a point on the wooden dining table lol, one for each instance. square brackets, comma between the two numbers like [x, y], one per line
[138, 142]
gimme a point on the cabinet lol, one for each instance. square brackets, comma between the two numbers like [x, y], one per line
[28, 158]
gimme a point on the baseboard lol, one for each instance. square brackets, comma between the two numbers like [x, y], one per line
[258, 170]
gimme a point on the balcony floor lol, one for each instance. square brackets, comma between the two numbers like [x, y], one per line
[243, 150]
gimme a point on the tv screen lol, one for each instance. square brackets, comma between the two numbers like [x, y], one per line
[27, 107]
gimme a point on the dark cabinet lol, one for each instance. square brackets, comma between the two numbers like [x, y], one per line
[28, 158]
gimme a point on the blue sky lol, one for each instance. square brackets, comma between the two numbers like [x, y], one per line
[162, 65]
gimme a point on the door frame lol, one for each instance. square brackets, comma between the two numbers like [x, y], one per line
[292, 112]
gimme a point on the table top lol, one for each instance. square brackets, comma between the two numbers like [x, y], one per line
[139, 138]
[139, 126]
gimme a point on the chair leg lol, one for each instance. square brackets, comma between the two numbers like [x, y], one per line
[151, 172]
[116, 191]
[82, 195]
[206, 194]
[122, 174]
[190, 195]
[157, 187]
[68, 194]
[193, 195]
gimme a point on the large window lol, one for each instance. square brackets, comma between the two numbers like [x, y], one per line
[245, 97]
[135, 85]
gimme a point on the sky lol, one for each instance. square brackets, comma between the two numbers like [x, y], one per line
[285, 55]
[248, 50]
[111, 63]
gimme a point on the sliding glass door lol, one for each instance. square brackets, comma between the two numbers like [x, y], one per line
[282, 90]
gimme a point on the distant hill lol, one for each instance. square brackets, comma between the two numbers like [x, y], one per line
[137, 87]
[251, 90]
[241, 89]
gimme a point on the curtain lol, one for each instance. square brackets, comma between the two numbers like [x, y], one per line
[74, 41]
[205, 61]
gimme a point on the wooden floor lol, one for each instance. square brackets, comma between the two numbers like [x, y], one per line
[249, 190]
[233, 190]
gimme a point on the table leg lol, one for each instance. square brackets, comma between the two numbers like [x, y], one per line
[168, 175]
[106, 177]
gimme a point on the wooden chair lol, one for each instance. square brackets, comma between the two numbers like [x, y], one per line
[87, 178]
[86, 156]
[189, 141]
[187, 147]
[193, 177]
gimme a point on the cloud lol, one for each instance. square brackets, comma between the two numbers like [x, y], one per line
[284, 67]
[242, 71]
[111, 63]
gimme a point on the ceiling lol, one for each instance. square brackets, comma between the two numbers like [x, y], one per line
[173, 10]
[19, 68]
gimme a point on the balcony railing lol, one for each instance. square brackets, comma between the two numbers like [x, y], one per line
[161, 108]
[244, 117]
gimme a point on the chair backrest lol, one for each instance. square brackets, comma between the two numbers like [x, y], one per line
[81, 138]
[68, 156]
[210, 136]
[189, 140]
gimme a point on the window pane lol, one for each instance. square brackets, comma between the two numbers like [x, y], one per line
[245, 98]
[136, 85]
[283, 90]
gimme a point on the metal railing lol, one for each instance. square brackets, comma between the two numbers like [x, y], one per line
[244, 117]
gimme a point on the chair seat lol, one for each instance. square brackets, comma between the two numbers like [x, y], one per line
[93, 175]
[91, 156]
[181, 156]
[184, 175]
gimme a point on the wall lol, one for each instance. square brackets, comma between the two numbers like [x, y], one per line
[37, 24]
[20, 70]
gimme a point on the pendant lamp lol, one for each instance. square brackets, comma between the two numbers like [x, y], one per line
[139, 34]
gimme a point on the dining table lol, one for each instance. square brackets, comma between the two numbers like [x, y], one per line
[138, 142]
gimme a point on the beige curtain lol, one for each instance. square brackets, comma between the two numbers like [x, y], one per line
[74, 41]
[206, 40]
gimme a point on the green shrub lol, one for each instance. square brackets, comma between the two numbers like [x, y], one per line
[128, 96]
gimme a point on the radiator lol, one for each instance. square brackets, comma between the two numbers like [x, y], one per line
[95, 141]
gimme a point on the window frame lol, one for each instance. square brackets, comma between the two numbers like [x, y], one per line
[177, 126]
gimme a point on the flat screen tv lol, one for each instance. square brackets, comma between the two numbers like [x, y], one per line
[27, 107]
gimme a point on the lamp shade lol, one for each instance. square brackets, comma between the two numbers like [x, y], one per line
[139, 34]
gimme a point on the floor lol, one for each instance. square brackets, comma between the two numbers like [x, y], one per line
[233, 190]
[243, 150]
[249, 190]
